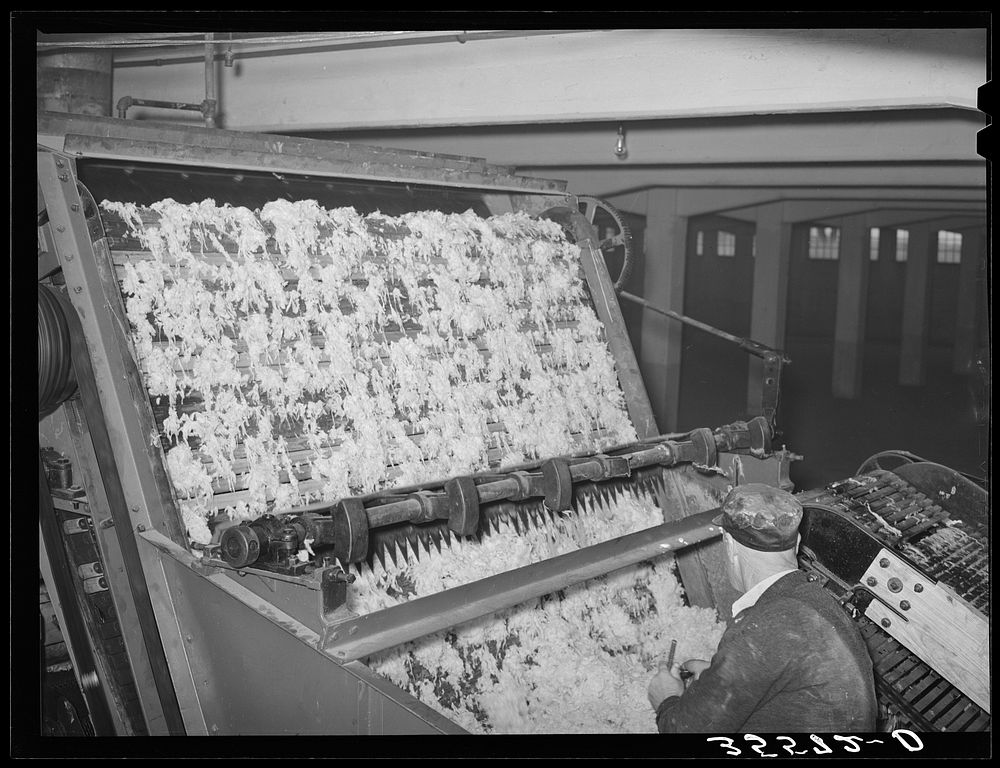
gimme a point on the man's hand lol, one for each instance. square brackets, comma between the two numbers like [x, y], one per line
[695, 667]
[667, 683]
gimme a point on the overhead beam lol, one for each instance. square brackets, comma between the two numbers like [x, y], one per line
[920, 136]
[554, 78]
[742, 203]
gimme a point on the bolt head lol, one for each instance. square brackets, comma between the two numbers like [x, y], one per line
[918, 587]
[871, 581]
[904, 604]
[886, 623]
[75, 207]
[884, 562]
[78, 289]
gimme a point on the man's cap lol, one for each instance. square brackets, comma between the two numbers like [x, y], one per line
[761, 517]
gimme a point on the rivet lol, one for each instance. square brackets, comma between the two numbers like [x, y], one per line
[60, 228]
[59, 163]
[918, 587]
[69, 257]
[886, 623]
[904, 604]
[871, 581]
[140, 528]
[75, 207]
[64, 177]
[884, 562]
[895, 585]
[78, 289]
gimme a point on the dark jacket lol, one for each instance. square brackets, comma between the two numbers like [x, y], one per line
[793, 662]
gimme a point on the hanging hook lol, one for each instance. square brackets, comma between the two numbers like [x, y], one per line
[621, 151]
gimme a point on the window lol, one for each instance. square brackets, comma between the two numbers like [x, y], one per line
[699, 247]
[873, 238]
[753, 247]
[902, 244]
[824, 243]
[726, 243]
[949, 247]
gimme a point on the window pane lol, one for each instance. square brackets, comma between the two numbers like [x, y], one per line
[699, 248]
[824, 243]
[949, 247]
[873, 244]
[902, 244]
[727, 243]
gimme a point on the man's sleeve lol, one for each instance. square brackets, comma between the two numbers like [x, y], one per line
[743, 671]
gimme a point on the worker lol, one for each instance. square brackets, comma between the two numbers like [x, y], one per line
[792, 660]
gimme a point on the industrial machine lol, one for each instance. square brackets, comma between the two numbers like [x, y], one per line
[170, 611]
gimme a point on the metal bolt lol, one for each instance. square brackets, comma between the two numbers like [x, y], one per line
[140, 528]
[884, 562]
[59, 163]
[69, 257]
[886, 623]
[60, 228]
[78, 289]
[918, 587]
[895, 585]
[871, 581]
[64, 177]
[75, 207]
[108, 523]
[189, 638]
[904, 604]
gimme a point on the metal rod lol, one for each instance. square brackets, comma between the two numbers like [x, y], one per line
[362, 636]
[751, 346]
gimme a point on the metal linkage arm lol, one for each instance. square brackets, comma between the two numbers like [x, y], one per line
[773, 359]
[344, 527]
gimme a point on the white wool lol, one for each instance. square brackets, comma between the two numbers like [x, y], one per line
[316, 358]
[579, 662]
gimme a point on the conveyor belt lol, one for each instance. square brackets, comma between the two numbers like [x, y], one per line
[908, 521]
[914, 693]
[953, 553]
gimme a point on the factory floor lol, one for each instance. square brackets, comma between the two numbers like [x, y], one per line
[936, 421]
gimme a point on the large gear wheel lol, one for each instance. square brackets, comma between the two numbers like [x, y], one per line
[614, 238]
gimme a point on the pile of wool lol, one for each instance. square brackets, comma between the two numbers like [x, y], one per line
[577, 661]
[332, 353]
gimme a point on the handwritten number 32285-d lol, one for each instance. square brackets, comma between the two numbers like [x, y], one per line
[851, 744]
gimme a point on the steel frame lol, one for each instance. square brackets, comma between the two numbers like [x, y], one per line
[213, 629]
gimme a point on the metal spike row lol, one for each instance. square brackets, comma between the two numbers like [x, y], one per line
[413, 544]
[401, 554]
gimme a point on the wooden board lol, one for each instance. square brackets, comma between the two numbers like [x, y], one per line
[938, 626]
